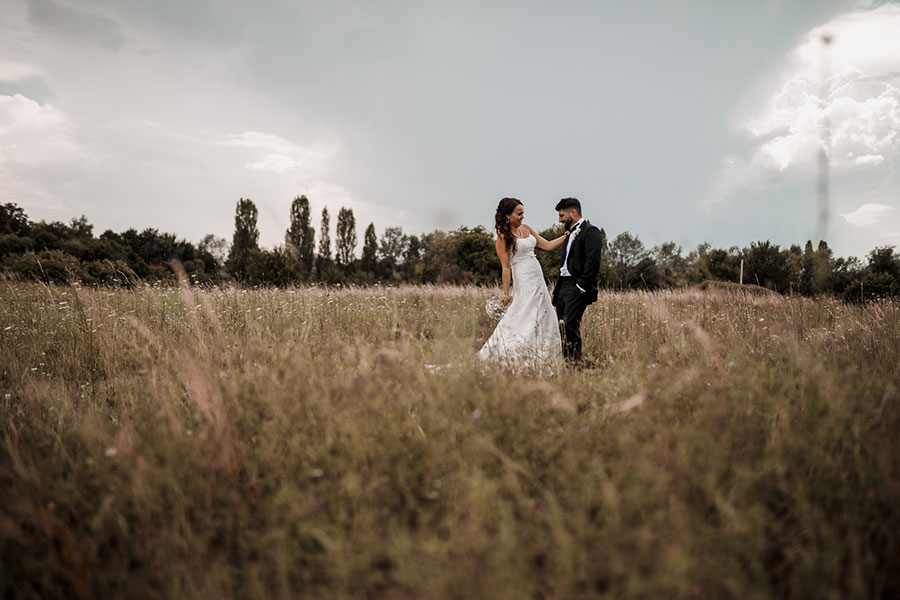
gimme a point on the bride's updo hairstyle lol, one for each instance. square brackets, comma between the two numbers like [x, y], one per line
[501, 223]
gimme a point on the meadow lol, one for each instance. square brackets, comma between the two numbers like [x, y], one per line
[166, 442]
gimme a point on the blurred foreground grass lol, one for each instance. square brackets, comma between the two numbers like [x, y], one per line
[281, 444]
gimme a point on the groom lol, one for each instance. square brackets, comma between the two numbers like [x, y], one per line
[577, 283]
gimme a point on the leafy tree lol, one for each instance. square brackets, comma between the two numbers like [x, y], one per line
[80, 228]
[816, 269]
[460, 256]
[325, 270]
[216, 247]
[325, 235]
[412, 255]
[245, 240]
[725, 265]
[14, 244]
[646, 275]
[122, 248]
[476, 255]
[346, 238]
[13, 220]
[881, 278]
[299, 237]
[794, 258]
[550, 260]
[271, 267]
[49, 236]
[393, 247]
[883, 260]
[697, 267]
[824, 269]
[768, 266]
[844, 273]
[414, 246]
[629, 260]
[673, 267]
[438, 263]
[808, 271]
[106, 272]
[156, 247]
[50, 266]
[605, 275]
[370, 251]
[109, 259]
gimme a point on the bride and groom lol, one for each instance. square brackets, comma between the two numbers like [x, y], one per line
[528, 334]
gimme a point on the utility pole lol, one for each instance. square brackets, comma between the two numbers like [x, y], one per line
[824, 157]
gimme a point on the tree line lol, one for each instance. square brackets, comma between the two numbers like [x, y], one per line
[60, 252]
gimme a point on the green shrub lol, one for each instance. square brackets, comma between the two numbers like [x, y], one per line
[49, 266]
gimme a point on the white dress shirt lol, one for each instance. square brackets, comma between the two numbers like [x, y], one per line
[564, 271]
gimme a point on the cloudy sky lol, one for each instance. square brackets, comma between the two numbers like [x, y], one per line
[689, 121]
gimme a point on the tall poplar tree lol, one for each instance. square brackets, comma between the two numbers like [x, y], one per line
[325, 236]
[370, 249]
[299, 236]
[346, 237]
[246, 238]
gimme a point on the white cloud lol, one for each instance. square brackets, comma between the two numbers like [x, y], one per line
[877, 218]
[868, 215]
[278, 155]
[277, 163]
[16, 71]
[862, 116]
[261, 141]
[33, 137]
[863, 39]
[31, 133]
[858, 107]
[868, 159]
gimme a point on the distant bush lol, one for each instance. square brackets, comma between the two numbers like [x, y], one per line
[271, 267]
[872, 286]
[14, 244]
[49, 266]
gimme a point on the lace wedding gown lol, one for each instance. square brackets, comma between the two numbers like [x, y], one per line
[528, 334]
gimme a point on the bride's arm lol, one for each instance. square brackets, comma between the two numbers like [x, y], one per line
[544, 244]
[504, 261]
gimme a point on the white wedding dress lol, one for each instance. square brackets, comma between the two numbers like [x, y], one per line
[528, 334]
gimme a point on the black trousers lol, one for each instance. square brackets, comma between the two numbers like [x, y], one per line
[570, 305]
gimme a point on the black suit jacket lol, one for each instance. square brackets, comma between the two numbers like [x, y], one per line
[584, 259]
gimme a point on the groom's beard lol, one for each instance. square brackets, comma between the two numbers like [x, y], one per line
[569, 222]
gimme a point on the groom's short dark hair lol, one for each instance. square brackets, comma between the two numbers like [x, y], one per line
[568, 204]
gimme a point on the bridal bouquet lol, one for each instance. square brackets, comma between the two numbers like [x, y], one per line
[494, 308]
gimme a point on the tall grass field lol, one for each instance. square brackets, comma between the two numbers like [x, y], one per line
[313, 443]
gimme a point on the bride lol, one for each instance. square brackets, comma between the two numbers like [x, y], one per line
[528, 334]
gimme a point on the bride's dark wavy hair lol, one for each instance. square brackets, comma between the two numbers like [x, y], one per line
[501, 222]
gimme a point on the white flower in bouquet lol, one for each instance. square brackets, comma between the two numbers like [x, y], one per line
[494, 308]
